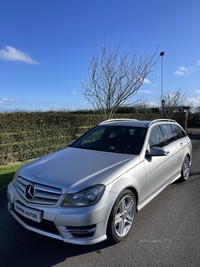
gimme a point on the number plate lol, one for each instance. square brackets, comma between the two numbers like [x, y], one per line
[31, 214]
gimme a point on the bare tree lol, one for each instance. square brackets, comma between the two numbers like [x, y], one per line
[196, 109]
[113, 78]
[176, 102]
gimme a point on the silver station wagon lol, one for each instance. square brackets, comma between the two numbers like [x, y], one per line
[92, 190]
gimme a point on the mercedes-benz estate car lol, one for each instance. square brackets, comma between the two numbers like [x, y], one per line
[92, 189]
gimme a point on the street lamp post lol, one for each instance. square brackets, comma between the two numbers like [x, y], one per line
[161, 97]
[163, 108]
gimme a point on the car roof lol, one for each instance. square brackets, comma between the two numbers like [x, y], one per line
[134, 122]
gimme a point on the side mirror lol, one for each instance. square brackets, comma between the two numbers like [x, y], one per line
[156, 151]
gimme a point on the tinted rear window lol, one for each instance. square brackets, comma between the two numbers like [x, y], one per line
[178, 131]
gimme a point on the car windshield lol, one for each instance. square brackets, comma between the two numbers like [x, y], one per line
[118, 139]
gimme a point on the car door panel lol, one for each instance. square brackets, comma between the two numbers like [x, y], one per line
[158, 171]
[158, 168]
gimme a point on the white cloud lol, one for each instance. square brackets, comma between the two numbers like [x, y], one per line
[146, 91]
[155, 85]
[194, 100]
[9, 101]
[178, 72]
[5, 101]
[152, 104]
[74, 93]
[146, 81]
[12, 54]
[181, 71]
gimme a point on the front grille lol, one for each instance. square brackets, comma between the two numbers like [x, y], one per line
[42, 195]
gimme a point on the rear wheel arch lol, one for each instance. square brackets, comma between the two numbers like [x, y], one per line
[185, 168]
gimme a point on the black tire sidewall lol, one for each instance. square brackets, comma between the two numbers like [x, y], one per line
[111, 233]
[182, 176]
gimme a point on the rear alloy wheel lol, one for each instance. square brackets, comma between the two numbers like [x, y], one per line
[185, 169]
[122, 216]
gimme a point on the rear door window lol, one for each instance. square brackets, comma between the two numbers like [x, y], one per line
[178, 131]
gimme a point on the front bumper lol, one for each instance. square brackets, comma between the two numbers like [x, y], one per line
[79, 225]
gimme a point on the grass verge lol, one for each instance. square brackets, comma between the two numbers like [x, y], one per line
[7, 172]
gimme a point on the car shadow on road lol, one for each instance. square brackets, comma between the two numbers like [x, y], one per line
[62, 251]
[189, 180]
[21, 247]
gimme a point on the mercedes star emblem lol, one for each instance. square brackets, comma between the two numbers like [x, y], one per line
[29, 191]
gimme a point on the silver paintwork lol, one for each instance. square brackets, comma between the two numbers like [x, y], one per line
[73, 169]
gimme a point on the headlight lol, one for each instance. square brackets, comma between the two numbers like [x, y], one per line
[14, 181]
[84, 198]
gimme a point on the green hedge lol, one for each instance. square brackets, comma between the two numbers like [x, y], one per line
[25, 135]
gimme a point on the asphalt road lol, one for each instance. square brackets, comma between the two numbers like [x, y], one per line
[165, 233]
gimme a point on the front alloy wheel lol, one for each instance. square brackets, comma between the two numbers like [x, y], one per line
[122, 216]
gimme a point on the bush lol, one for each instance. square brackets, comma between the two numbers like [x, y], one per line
[27, 135]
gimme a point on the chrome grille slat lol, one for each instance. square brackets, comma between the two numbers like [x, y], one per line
[20, 191]
[43, 194]
[21, 186]
[49, 189]
[23, 181]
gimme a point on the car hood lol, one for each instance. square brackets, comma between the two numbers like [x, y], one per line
[73, 169]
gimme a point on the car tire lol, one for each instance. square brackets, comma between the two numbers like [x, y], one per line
[185, 169]
[121, 217]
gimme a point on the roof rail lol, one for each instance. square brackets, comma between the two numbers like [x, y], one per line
[115, 120]
[160, 120]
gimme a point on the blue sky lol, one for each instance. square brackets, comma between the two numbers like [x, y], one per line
[45, 48]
